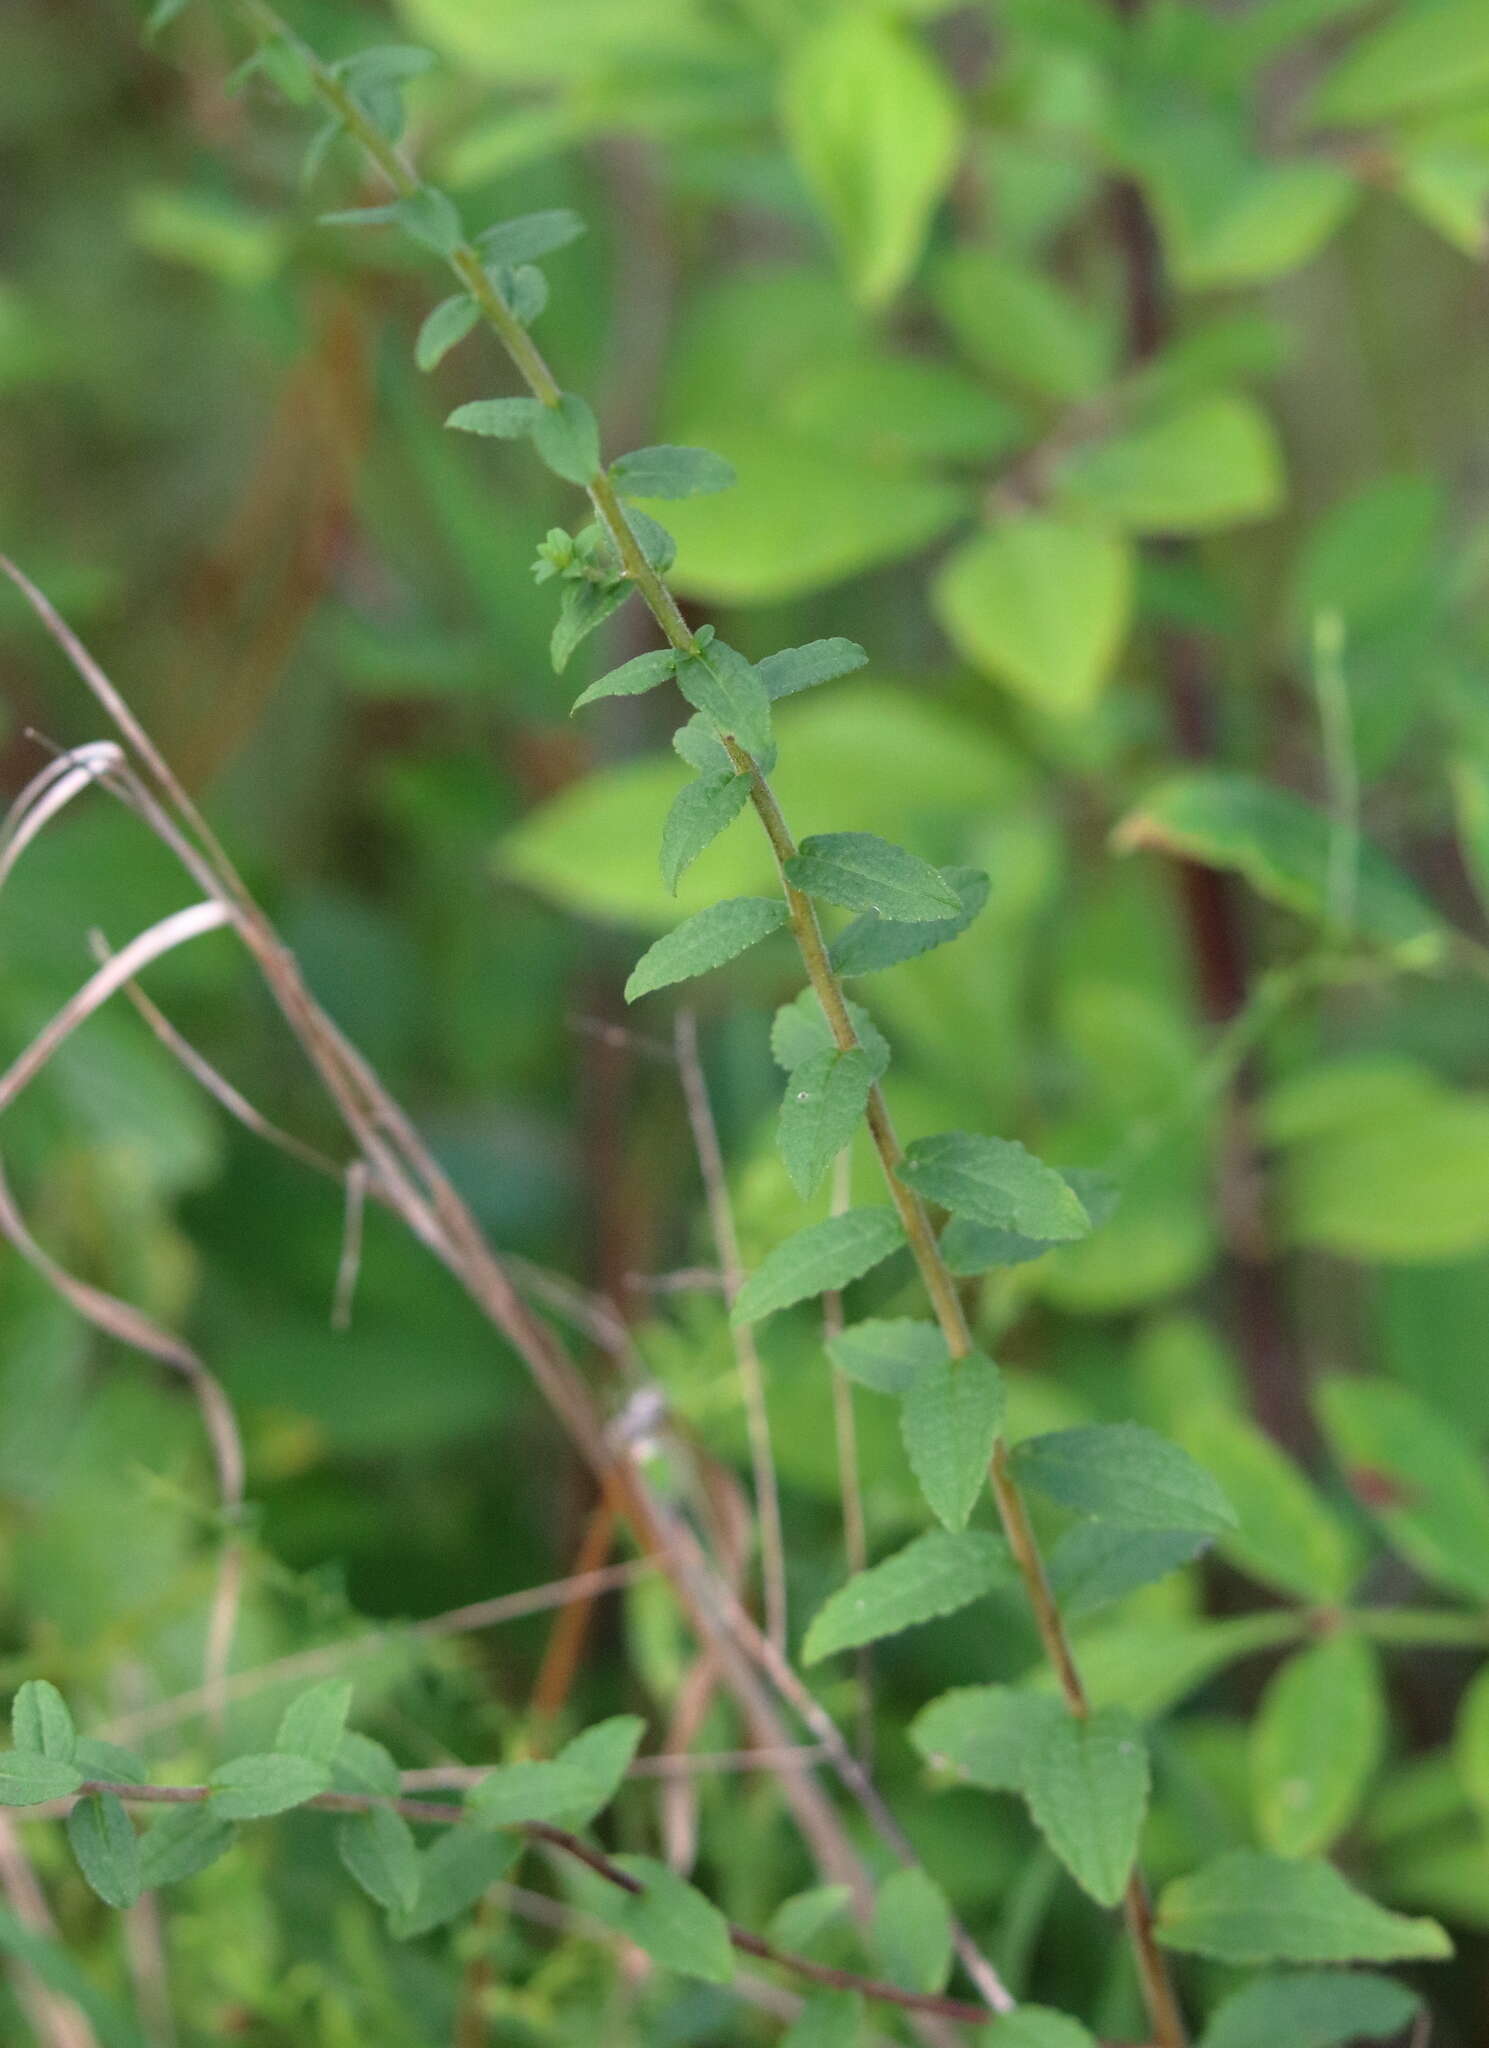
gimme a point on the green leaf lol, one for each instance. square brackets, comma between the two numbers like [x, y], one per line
[360, 217]
[912, 1930]
[704, 941]
[830, 2019]
[797, 1923]
[1037, 2026]
[567, 437]
[1418, 1476]
[1471, 1741]
[524, 291]
[936, 1574]
[450, 322]
[572, 1787]
[1286, 1535]
[972, 1247]
[582, 607]
[1124, 1474]
[872, 943]
[817, 1260]
[887, 1355]
[673, 1922]
[1315, 1745]
[1093, 1564]
[995, 1181]
[1283, 847]
[668, 472]
[1014, 322]
[799, 1029]
[378, 1850]
[821, 1109]
[950, 1420]
[430, 218]
[1042, 605]
[599, 1758]
[312, 1725]
[987, 1734]
[875, 130]
[1211, 463]
[1423, 56]
[700, 811]
[1312, 2009]
[103, 1841]
[254, 1787]
[860, 871]
[362, 1765]
[1087, 1790]
[795, 669]
[29, 1779]
[40, 1721]
[454, 1872]
[530, 235]
[643, 672]
[1248, 1907]
[504, 419]
[182, 1844]
[1275, 218]
[721, 684]
[105, 1761]
[1405, 1178]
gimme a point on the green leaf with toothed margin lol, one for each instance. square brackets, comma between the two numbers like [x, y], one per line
[995, 1181]
[700, 811]
[450, 322]
[379, 1851]
[567, 437]
[720, 683]
[950, 1420]
[530, 235]
[502, 419]
[312, 1724]
[821, 1258]
[667, 472]
[886, 1354]
[103, 1841]
[1248, 1907]
[1313, 2009]
[1087, 1789]
[800, 1029]
[41, 1721]
[860, 871]
[821, 1109]
[1121, 1473]
[705, 941]
[30, 1779]
[255, 1787]
[672, 1921]
[938, 1573]
[872, 943]
[643, 672]
[801, 668]
[183, 1843]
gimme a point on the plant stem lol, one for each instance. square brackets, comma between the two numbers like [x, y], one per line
[937, 1279]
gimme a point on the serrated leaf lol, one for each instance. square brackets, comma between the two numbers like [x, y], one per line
[936, 1574]
[830, 2019]
[1312, 2009]
[971, 1247]
[182, 1844]
[571, 1787]
[860, 871]
[254, 1787]
[887, 1354]
[454, 1873]
[1315, 1744]
[505, 419]
[387, 61]
[821, 1109]
[721, 684]
[29, 1779]
[799, 1029]
[794, 669]
[987, 1734]
[530, 235]
[704, 941]
[1122, 1473]
[313, 1723]
[107, 1762]
[996, 1182]
[430, 218]
[1094, 1564]
[567, 437]
[1087, 1791]
[822, 1258]
[672, 1921]
[950, 1420]
[40, 1720]
[378, 1849]
[1213, 462]
[1286, 1534]
[582, 607]
[667, 472]
[1249, 1907]
[102, 1839]
[872, 943]
[450, 322]
[362, 1765]
[912, 1930]
[700, 811]
[643, 672]
[599, 1758]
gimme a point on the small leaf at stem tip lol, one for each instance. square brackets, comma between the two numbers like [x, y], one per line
[530, 235]
[507, 419]
[667, 472]
[824, 1256]
[705, 941]
[860, 871]
[643, 672]
[567, 437]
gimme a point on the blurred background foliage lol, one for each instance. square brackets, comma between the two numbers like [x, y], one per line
[1117, 375]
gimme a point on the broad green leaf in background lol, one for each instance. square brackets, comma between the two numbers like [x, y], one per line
[1432, 54]
[822, 1257]
[1211, 463]
[996, 1182]
[873, 942]
[1013, 321]
[675, 1924]
[378, 1849]
[1272, 220]
[912, 1932]
[1417, 1474]
[987, 1734]
[875, 129]
[668, 472]
[1121, 1473]
[1042, 605]
[1471, 1741]
[700, 811]
[27, 1778]
[1312, 2009]
[1249, 1907]
[255, 1787]
[830, 2019]
[951, 1418]
[313, 1724]
[1369, 553]
[1316, 1743]
[887, 1353]
[860, 871]
[1286, 1534]
[184, 1842]
[1406, 1180]
[705, 941]
[1087, 1789]
[103, 1840]
[455, 1871]
[40, 1720]
[1149, 1666]
[899, 409]
[1448, 187]
[821, 1109]
[936, 1574]
[1282, 847]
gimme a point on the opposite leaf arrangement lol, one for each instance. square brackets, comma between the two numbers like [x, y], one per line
[1130, 1506]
